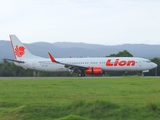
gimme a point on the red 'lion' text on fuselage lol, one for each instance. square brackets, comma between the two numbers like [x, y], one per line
[120, 62]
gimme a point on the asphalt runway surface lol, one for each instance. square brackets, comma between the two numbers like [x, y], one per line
[2, 78]
[24, 78]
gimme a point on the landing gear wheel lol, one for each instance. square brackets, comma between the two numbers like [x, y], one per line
[81, 74]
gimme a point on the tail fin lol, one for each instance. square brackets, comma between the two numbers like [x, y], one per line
[19, 50]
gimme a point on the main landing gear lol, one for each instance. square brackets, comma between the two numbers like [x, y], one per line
[81, 74]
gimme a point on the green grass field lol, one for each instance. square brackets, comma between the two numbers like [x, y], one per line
[127, 98]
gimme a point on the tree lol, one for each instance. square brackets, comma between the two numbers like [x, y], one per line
[9, 69]
[124, 53]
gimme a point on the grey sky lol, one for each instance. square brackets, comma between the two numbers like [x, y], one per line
[108, 22]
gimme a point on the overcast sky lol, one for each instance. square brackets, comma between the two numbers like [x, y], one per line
[108, 22]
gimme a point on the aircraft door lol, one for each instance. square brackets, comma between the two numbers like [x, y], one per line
[140, 63]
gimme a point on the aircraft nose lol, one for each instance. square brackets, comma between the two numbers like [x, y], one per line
[154, 65]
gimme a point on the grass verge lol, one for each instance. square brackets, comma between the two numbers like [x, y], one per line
[80, 99]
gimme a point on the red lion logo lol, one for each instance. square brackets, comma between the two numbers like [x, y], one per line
[19, 51]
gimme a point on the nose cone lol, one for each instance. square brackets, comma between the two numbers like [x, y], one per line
[154, 65]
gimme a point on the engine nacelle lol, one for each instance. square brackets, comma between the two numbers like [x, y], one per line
[94, 70]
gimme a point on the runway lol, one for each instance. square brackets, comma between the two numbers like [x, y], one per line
[25, 78]
[21, 78]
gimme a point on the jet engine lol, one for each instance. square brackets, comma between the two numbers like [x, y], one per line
[94, 70]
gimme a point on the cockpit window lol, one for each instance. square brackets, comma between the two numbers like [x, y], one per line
[148, 61]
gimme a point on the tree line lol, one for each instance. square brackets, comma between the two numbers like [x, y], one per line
[9, 69]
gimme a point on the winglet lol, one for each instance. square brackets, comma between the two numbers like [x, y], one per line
[51, 57]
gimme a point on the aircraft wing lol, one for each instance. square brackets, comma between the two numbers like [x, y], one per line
[69, 66]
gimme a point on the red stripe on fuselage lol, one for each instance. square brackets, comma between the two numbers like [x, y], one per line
[12, 47]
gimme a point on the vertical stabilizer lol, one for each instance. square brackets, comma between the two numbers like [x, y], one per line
[19, 50]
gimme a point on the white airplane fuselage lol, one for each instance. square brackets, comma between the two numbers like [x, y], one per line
[107, 64]
[82, 66]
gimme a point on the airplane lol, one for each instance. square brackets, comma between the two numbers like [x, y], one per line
[83, 66]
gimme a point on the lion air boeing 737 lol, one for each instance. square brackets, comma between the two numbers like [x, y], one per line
[82, 66]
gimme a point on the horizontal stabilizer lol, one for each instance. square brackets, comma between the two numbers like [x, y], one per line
[14, 60]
